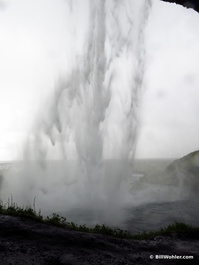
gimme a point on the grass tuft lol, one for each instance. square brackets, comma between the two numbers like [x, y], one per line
[177, 228]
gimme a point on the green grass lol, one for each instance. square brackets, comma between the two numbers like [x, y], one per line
[178, 228]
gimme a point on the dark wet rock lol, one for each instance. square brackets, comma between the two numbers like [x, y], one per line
[186, 3]
[26, 241]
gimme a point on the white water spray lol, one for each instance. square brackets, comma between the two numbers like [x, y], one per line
[92, 117]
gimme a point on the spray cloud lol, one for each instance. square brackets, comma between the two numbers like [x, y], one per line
[91, 118]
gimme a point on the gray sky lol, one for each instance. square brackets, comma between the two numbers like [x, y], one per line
[33, 53]
[170, 107]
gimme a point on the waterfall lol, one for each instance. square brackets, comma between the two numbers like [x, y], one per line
[91, 118]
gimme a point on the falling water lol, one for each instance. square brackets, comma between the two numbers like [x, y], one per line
[91, 118]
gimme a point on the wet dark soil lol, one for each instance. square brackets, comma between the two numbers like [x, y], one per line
[26, 241]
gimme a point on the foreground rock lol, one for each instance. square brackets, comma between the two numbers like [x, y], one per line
[25, 241]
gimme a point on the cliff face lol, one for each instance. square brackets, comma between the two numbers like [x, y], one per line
[189, 163]
[182, 173]
[185, 171]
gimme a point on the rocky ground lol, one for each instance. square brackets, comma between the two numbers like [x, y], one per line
[26, 241]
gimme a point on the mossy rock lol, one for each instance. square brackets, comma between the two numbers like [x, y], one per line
[182, 172]
[185, 171]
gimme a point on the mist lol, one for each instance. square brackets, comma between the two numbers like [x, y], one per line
[105, 92]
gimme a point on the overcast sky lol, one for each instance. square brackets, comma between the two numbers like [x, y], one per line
[33, 52]
[170, 107]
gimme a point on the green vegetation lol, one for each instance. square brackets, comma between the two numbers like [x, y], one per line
[28, 212]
